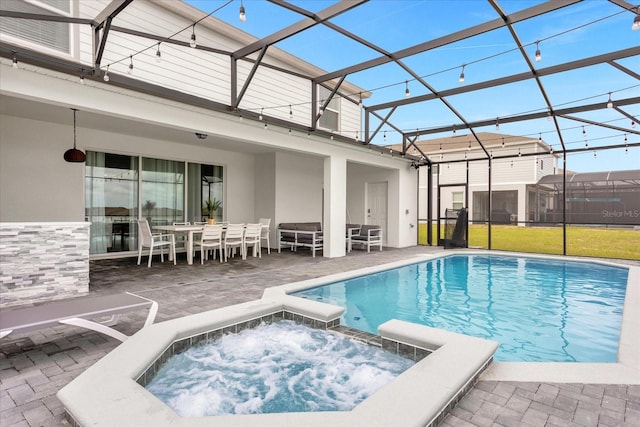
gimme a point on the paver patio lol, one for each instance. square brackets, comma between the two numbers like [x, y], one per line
[34, 366]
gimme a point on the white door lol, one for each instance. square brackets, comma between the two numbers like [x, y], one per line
[376, 210]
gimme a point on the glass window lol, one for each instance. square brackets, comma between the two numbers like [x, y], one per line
[111, 201]
[162, 192]
[205, 181]
[458, 199]
[330, 118]
[119, 189]
[53, 35]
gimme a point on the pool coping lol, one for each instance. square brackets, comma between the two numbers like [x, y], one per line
[109, 392]
[625, 371]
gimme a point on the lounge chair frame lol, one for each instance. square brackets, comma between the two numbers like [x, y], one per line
[77, 312]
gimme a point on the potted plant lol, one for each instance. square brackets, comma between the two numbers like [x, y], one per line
[212, 205]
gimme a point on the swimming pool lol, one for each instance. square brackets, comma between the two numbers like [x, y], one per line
[538, 309]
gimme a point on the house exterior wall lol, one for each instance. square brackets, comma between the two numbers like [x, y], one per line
[298, 188]
[43, 261]
[198, 72]
[284, 182]
[40, 187]
[512, 174]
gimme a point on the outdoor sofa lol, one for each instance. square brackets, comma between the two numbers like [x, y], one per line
[300, 234]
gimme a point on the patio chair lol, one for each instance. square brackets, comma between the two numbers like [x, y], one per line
[265, 231]
[146, 239]
[351, 230]
[369, 235]
[233, 238]
[252, 237]
[210, 241]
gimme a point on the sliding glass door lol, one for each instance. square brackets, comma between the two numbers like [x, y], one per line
[111, 201]
[162, 191]
[119, 189]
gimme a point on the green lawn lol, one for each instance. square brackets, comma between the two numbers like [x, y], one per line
[581, 241]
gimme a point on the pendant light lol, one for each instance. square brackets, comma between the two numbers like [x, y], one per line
[73, 155]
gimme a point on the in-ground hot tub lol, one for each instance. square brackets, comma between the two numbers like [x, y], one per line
[111, 391]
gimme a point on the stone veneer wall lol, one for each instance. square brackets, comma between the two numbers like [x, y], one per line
[43, 261]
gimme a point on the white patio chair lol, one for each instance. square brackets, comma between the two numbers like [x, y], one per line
[265, 231]
[233, 238]
[146, 239]
[368, 236]
[211, 240]
[252, 237]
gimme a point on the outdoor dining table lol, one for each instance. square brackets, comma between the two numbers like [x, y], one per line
[189, 230]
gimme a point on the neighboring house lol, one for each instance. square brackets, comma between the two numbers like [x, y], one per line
[161, 140]
[514, 181]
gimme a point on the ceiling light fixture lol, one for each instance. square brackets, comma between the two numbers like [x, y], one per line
[82, 76]
[15, 60]
[290, 112]
[497, 123]
[130, 71]
[243, 14]
[538, 54]
[193, 42]
[73, 155]
[584, 132]
[461, 78]
[406, 90]
[384, 135]
[158, 54]
[201, 135]
[636, 20]
[502, 142]
[609, 102]
[549, 115]
[454, 130]
[106, 75]
[260, 115]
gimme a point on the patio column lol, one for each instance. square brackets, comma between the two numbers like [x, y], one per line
[335, 206]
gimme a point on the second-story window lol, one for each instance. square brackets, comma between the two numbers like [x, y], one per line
[330, 118]
[49, 34]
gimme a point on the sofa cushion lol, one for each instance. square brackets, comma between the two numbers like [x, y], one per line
[309, 226]
[288, 226]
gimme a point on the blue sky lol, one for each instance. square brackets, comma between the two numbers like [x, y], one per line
[593, 27]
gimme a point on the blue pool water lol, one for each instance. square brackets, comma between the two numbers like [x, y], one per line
[538, 309]
[281, 367]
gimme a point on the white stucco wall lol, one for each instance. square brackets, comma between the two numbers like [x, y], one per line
[36, 184]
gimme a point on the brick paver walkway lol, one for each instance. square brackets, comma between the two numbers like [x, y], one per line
[34, 366]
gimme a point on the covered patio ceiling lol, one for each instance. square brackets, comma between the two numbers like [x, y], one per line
[411, 69]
